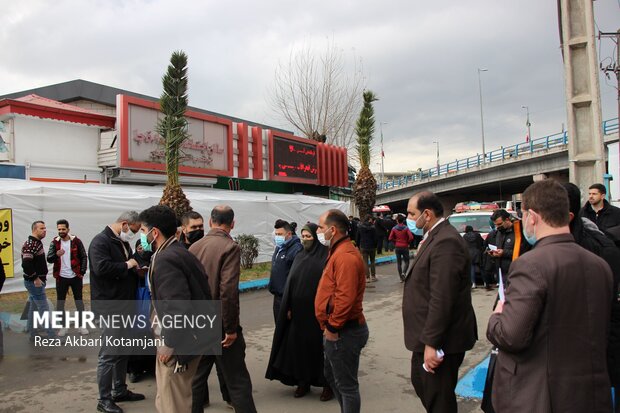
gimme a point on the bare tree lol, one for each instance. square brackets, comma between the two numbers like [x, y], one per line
[319, 95]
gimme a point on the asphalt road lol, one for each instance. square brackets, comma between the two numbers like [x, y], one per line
[42, 383]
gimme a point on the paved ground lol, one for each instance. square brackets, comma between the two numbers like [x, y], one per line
[49, 384]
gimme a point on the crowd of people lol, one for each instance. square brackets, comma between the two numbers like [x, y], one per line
[556, 327]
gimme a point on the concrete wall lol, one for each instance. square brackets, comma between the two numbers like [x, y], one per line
[52, 149]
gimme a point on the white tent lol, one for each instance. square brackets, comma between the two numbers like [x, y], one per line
[90, 207]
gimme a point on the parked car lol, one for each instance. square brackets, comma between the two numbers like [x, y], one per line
[479, 220]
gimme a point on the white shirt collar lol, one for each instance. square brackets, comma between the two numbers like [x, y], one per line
[433, 227]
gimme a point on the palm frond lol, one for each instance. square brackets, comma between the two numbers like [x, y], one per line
[365, 129]
[173, 103]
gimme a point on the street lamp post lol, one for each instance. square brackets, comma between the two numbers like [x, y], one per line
[484, 153]
[437, 143]
[528, 124]
[382, 154]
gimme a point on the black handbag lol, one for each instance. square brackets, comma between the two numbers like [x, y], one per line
[487, 405]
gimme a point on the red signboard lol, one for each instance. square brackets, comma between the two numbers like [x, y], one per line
[208, 151]
[292, 159]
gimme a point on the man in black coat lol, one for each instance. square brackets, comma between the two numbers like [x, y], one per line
[366, 241]
[179, 289]
[489, 266]
[113, 276]
[588, 236]
[599, 211]
[381, 234]
[388, 224]
[508, 238]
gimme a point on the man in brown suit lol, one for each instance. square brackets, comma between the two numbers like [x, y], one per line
[440, 324]
[551, 330]
[220, 256]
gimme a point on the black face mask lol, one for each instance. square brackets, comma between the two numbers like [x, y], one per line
[194, 236]
[501, 229]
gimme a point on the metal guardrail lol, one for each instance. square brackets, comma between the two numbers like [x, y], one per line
[610, 127]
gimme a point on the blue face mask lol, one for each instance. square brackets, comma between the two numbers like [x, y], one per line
[411, 224]
[146, 245]
[279, 240]
[530, 238]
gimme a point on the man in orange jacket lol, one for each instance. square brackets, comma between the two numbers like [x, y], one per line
[338, 309]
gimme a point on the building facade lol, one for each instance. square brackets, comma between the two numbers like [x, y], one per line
[80, 131]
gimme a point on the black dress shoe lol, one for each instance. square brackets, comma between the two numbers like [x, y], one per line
[327, 394]
[128, 396]
[108, 406]
[301, 391]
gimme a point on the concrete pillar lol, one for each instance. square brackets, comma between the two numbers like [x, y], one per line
[586, 153]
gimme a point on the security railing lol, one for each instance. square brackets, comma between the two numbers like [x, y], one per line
[610, 127]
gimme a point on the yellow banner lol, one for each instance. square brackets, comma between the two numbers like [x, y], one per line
[6, 241]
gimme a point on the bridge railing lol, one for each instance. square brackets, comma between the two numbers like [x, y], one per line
[610, 126]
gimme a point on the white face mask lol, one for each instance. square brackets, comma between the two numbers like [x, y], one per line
[322, 240]
[127, 236]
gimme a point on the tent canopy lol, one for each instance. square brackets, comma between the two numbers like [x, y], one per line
[90, 207]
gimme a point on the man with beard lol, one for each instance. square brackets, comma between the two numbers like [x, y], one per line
[509, 242]
[588, 236]
[68, 255]
[551, 328]
[179, 284]
[35, 275]
[599, 210]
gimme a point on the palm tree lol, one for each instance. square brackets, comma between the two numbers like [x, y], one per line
[173, 129]
[365, 186]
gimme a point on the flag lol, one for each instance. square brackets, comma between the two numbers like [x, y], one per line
[527, 137]
[382, 154]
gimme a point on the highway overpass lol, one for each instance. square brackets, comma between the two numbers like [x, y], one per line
[500, 174]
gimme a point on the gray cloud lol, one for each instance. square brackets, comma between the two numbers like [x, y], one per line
[419, 57]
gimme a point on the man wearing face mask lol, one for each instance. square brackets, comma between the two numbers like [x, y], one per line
[338, 309]
[288, 246]
[551, 330]
[113, 276]
[439, 320]
[509, 242]
[178, 284]
[193, 228]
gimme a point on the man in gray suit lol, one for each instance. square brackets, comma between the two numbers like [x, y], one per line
[440, 324]
[551, 330]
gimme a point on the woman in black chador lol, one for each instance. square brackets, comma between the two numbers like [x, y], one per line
[297, 351]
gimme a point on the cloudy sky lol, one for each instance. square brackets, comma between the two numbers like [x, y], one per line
[419, 57]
